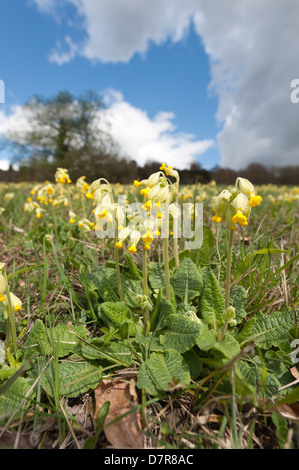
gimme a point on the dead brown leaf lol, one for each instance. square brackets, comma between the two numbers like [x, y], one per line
[125, 433]
[289, 411]
[295, 372]
[8, 439]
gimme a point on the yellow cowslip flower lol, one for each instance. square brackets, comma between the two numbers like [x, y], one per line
[147, 205]
[246, 187]
[216, 218]
[62, 176]
[132, 248]
[2, 297]
[119, 244]
[137, 184]
[147, 237]
[15, 302]
[220, 206]
[241, 205]
[89, 195]
[144, 192]
[255, 200]
[147, 246]
[169, 171]
[239, 218]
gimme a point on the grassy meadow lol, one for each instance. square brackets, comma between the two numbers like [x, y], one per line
[137, 340]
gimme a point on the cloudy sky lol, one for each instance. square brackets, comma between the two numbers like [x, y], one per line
[184, 80]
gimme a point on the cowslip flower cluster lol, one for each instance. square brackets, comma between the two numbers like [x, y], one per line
[233, 207]
[82, 186]
[106, 210]
[62, 176]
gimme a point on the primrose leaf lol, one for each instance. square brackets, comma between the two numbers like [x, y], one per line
[181, 333]
[229, 346]
[112, 352]
[238, 300]
[119, 313]
[74, 378]
[162, 371]
[13, 401]
[156, 275]
[212, 302]
[270, 329]
[65, 339]
[187, 281]
[203, 254]
[37, 341]
[252, 374]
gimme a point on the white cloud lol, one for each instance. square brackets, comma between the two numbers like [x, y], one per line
[143, 139]
[63, 57]
[139, 137]
[4, 164]
[253, 50]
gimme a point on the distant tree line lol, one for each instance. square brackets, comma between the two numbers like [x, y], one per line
[124, 171]
[69, 131]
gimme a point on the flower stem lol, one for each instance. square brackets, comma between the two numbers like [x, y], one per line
[120, 289]
[166, 267]
[145, 290]
[11, 317]
[228, 268]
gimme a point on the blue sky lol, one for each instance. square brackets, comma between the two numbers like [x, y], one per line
[160, 74]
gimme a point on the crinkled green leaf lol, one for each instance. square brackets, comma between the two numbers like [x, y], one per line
[206, 339]
[202, 255]
[194, 363]
[112, 352]
[37, 341]
[187, 281]
[212, 302]
[74, 378]
[253, 374]
[238, 299]
[180, 334]
[135, 272]
[156, 275]
[118, 313]
[165, 370]
[229, 346]
[66, 338]
[270, 329]
[13, 401]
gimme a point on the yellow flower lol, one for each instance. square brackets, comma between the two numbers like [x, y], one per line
[145, 192]
[72, 221]
[216, 218]
[239, 218]
[133, 248]
[147, 205]
[2, 297]
[147, 237]
[119, 245]
[254, 200]
[147, 246]
[89, 196]
[137, 184]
